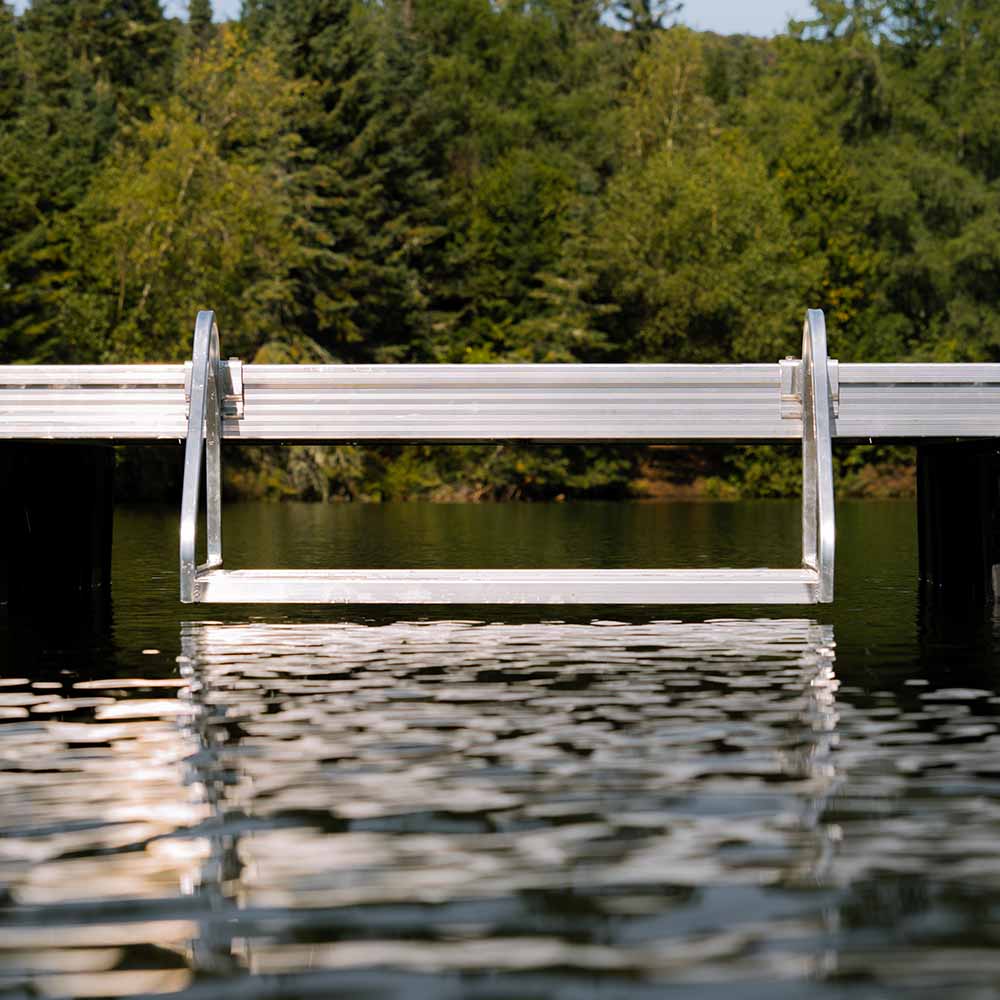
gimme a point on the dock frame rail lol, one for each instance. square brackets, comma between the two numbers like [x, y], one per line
[559, 395]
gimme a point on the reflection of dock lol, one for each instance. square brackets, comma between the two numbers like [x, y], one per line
[212, 951]
[372, 789]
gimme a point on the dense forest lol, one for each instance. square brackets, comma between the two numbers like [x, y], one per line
[515, 180]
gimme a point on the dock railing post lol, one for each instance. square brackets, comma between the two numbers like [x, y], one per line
[818, 524]
[57, 506]
[204, 435]
[958, 523]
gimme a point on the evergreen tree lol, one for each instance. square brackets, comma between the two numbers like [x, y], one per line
[11, 78]
[124, 46]
[529, 141]
[372, 211]
[14, 209]
[258, 17]
[643, 17]
[87, 66]
[916, 26]
[200, 205]
[200, 21]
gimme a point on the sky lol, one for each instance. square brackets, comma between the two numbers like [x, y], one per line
[752, 17]
[748, 17]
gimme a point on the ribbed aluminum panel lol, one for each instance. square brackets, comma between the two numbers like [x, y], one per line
[915, 401]
[491, 402]
[77, 376]
[92, 402]
[529, 402]
[508, 586]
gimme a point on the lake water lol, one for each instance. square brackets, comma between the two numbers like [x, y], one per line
[513, 805]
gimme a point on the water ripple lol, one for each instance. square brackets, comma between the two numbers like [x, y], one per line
[466, 809]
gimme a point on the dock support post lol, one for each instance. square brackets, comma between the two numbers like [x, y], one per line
[958, 520]
[58, 507]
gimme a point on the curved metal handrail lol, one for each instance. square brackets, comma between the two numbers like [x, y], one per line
[204, 438]
[203, 435]
[818, 524]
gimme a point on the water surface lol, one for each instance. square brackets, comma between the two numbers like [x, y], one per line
[524, 803]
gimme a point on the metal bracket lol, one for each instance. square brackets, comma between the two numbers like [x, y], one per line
[230, 385]
[792, 383]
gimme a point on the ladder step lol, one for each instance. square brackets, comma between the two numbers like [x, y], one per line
[508, 586]
[805, 387]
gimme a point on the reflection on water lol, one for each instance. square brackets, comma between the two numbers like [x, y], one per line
[545, 799]
[504, 809]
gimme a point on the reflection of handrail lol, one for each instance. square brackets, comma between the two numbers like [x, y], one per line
[818, 526]
[801, 727]
[204, 434]
[212, 950]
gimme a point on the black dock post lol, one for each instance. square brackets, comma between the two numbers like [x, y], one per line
[958, 519]
[58, 506]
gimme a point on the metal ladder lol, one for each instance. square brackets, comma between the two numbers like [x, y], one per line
[808, 391]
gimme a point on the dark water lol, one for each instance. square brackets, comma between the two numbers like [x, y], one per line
[473, 803]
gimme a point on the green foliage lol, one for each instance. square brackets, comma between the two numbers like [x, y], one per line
[644, 17]
[11, 77]
[474, 181]
[83, 68]
[527, 119]
[697, 248]
[122, 48]
[200, 21]
[197, 205]
[499, 472]
[371, 216]
[860, 471]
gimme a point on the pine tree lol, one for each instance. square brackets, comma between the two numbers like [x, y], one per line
[372, 208]
[200, 21]
[643, 17]
[14, 211]
[11, 78]
[258, 18]
[527, 139]
[87, 66]
[124, 47]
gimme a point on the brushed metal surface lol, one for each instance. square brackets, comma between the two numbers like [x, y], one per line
[818, 527]
[203, 438]
[508, 586]
[498, 402]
